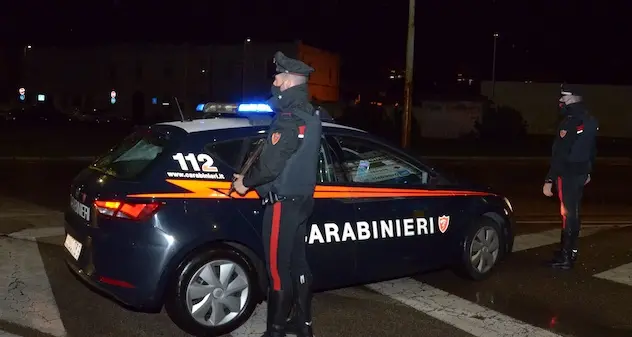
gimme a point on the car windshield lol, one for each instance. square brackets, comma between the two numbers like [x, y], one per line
[130, 158]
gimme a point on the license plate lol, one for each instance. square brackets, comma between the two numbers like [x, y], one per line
[73, 246]
[79, 208]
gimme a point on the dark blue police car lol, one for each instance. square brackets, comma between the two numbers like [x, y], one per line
[151, 223]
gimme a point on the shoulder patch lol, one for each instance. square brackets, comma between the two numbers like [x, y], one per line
[562, 133]
[275, 137]
[580, 128]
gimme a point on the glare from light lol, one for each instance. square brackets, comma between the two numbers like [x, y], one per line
[509, 204]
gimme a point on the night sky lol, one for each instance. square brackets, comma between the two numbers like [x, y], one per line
[540, 40]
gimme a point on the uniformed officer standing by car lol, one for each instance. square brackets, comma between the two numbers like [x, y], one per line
[285, 177]
[572, 161]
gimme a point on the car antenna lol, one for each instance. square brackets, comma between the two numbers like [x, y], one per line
[179, 109]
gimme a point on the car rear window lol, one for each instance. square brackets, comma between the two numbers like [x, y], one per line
[133, 155]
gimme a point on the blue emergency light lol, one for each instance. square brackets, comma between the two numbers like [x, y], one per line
[234, 108]
[254, 107]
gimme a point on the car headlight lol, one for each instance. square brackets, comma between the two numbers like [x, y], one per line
[508, 204]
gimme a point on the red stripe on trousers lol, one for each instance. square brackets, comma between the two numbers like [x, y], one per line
[562, 207]
[274, 246]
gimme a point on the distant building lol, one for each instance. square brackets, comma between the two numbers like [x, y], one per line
[141, 81]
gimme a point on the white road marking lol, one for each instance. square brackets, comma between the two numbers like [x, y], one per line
[462, 314]
[621, 274]
[27, 298]
[539, 239]
[32, 234]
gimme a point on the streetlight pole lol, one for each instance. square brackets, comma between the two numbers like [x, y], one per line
[243, 70]
[408, 85]
[24, 60]
[494, 66]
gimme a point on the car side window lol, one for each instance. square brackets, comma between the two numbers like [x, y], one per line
[326, 165]
[366, 162]
[235, 153]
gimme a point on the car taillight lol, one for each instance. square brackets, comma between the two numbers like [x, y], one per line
[126, 210]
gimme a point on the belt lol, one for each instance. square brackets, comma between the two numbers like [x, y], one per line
[271, 198]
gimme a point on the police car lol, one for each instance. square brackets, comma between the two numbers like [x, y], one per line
[151, 223]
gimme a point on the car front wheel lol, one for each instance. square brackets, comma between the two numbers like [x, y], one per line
[214, 292]
[481, 250]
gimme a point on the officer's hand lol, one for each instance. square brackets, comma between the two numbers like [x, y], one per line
[547, 189]
[238, 184]
[587, 180]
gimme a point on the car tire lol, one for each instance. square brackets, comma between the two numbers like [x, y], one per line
[176, 299]
[468, 267]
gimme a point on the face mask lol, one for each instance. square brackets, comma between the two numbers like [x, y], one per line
[563, 108]
[276, 91]
[274, 100]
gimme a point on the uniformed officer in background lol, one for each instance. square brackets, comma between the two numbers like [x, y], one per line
[572, 161]
[285, 177]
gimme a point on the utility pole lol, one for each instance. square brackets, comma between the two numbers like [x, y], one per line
[494, 66]
[408, 84]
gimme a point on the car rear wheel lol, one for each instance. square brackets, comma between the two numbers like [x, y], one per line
[481, 250]
[214, 292]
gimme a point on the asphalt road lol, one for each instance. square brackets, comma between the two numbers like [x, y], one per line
[39, 296]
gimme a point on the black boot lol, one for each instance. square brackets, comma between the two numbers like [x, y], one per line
[279, 303]
[565, 262]
[568, 255]
[300, 322]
